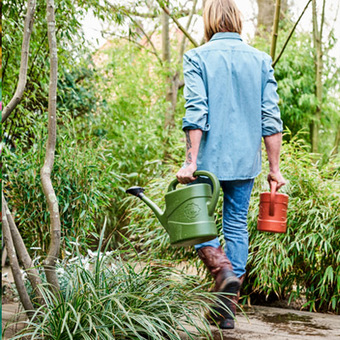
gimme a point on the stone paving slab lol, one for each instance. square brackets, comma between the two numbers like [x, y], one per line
[268, 323]
[11, 317]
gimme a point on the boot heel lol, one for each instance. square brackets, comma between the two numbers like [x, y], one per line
[227, 324]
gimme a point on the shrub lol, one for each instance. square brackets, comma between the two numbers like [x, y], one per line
[84, 180]
[110, 299]
[97, 154]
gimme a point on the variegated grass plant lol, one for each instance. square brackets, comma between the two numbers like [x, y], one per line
[111, 299]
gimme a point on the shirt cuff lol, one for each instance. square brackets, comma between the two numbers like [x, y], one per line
[187, 125]
[271, 131]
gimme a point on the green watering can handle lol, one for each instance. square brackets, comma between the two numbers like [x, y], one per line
[216, 188]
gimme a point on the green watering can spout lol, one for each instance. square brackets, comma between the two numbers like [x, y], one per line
[139, 192]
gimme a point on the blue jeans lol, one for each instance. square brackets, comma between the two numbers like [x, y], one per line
[235, 211]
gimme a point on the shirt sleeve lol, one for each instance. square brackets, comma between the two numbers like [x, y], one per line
[196, 106]
[271, 121]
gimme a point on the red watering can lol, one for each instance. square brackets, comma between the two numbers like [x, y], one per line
[273, 211]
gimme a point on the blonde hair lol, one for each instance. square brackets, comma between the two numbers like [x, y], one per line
[221, 16]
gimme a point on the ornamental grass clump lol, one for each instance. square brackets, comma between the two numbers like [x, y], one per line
[111, 299]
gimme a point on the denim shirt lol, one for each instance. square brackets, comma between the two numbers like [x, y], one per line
[230, 94]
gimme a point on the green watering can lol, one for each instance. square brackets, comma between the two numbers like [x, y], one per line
[189, 214]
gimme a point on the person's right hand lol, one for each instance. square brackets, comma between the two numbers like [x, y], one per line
[185, 174]
[277, 177]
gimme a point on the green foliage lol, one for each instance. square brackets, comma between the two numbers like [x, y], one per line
[131, 123]
[76, 93]
[295, 75]
[110, 299]
[84, 182]
[97, 155]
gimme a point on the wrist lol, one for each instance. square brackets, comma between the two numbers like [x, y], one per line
[274, 168]
[186, 164]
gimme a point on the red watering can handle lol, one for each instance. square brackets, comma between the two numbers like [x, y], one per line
[273, 186]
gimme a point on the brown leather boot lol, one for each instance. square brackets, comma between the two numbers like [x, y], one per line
[225, 281]
[231, 303]
[220, 268]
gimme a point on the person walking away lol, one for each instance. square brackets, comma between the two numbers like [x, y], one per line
[231, 103]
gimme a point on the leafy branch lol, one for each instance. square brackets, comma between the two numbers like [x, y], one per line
[185, 32]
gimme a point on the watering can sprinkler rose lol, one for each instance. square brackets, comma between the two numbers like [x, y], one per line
[188, 217]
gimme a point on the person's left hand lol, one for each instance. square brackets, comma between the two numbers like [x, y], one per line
[276, 177]
[185, 174]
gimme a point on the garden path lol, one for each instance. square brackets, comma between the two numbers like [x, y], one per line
[261, 323]
[258, 323]
[269, 323]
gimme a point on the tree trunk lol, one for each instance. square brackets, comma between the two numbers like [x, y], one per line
[317, 42]
[178, 24]
[275, 32]
[54, 248]
[166, 55]
[22, 253]
[14, 263]
[173, 79]
[337, 141]
[169, 119]
[28, 26]
[265, 15]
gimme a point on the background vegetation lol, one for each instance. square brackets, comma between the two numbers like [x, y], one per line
[112, 134]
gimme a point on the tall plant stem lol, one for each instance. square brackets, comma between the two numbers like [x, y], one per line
[14, 263]
[317, 41]
[22, 253]
[166, 56]
[336, 141]
[275, 28]
[54, 248]
[28, 26]
[290, 34]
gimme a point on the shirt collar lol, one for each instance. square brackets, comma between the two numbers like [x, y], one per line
[226, 35]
